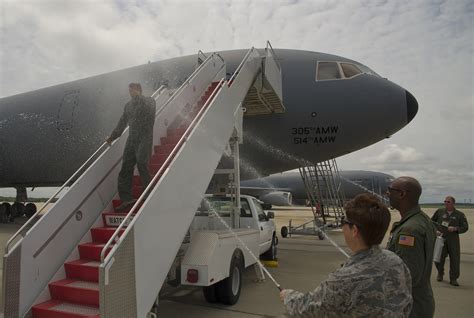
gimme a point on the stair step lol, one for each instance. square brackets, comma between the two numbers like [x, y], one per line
[174, 139]
[116, 203]
[164, 149]
[75, 291]
[137, 181]
[113, 219]
[103, 234]
[62, 309]
[92, 250]
[158, 159]
[137, 191]
[175, 132]
[83, 269]
[154, 168]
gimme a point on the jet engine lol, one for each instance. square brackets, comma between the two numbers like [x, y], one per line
[277, 198]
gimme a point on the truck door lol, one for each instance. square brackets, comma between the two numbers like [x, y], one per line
[264, 227]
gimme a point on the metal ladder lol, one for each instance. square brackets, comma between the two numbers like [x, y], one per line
[326, 198]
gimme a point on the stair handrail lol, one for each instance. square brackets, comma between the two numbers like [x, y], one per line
[272, 51]
[186, 82]
[115, 236]
[244, 60]
[34, 218]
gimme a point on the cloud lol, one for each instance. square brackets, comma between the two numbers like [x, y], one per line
[425, 46]
[394, 154]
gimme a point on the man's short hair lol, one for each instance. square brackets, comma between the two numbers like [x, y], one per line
[452, 198]
[136, 86]
[371, 217]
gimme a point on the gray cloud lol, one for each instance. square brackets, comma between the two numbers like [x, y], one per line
[425, 46]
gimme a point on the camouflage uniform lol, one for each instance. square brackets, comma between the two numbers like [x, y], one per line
[372, 283]
[413, 238]
[139, 114]
[451, 246]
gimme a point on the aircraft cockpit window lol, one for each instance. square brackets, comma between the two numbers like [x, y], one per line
[350, 70]
[327, 71]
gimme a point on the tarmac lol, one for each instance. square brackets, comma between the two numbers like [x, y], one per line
[303, 262]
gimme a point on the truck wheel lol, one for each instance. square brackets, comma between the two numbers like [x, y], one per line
[271, 254]
[284, 231]
[210, 293]
[229, 288]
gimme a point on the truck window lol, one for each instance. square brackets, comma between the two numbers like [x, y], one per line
[245, 209]
[260, 213]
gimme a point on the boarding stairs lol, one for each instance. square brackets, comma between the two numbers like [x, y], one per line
[81, 258]
[323, 186]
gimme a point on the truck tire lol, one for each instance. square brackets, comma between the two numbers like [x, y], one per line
[229, 288]
[210, 293]
[284, 231]
[271, 254]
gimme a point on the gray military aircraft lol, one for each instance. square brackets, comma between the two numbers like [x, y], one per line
[286, 189]
[334, 106]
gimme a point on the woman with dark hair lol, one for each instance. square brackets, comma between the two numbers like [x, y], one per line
[371, 283]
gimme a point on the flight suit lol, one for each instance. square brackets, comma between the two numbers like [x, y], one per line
[139, 114]
[413, 239]
[451, 245]
[372, 283]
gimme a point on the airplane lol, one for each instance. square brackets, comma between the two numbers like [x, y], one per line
[287, 188]
[333, 106]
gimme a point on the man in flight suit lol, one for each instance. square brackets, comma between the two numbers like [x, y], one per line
[413, 238]
[450, 222]
[139, 115]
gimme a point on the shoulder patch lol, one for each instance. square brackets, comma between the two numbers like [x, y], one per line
[406, 240]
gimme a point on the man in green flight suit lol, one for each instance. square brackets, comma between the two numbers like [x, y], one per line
[413, 238]
[450, 222]
[139, 115]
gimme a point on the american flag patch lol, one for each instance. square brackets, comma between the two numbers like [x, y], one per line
[406, 240]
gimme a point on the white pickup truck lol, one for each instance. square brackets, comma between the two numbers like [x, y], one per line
[215, 257]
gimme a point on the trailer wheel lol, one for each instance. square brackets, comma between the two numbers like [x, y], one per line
[284, 231]
[210, 294]
[229, 288]
[321, 235]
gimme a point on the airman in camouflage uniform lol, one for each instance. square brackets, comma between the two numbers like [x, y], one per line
[139, 115]
[450, 222]
[413, 239]
[372, 283]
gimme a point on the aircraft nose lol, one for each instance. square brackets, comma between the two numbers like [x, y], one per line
[412, 106]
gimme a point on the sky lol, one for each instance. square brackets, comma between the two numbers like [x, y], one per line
[423, 46]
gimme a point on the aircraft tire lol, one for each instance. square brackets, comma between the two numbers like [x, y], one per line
[18, 209]
[30, 209]
[5, 212]
[284, 231]
[210, 294]
[229, 288]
